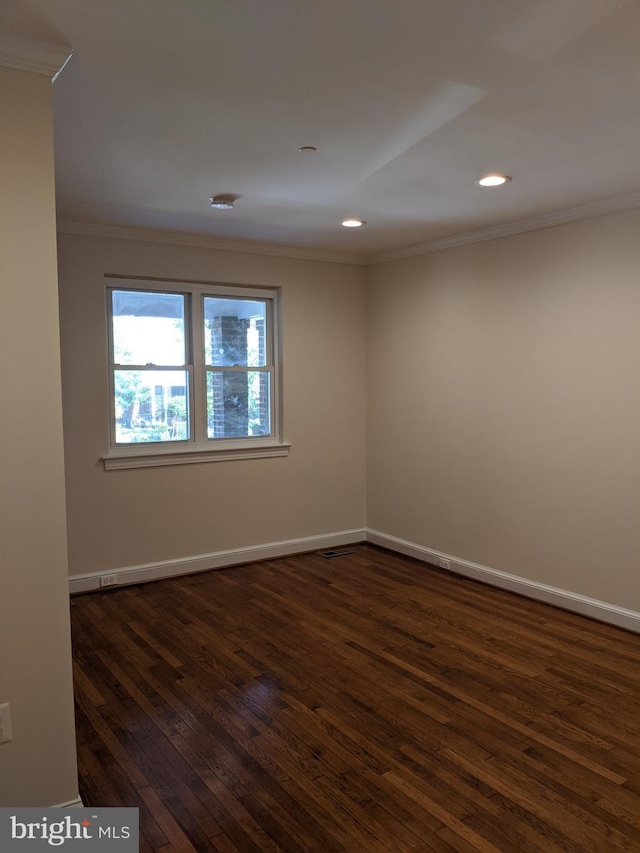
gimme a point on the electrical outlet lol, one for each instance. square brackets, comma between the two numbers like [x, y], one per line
[109, 580]
[445, 564]
[6, 733]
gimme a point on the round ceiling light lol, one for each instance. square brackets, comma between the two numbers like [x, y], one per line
[353, 223]
[221, 202]
[492, 180]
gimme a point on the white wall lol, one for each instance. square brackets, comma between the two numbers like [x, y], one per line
[502, 409]
[38, 767]
[119, 519]
[504, 405]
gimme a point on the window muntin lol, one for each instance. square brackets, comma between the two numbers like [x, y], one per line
[192, 369]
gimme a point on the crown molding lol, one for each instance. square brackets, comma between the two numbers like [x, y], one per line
[535, 223]
[36, 56]
[198, 241]
[494, 232]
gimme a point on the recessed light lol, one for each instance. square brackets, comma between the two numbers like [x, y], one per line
[492, 180]
[306, 149]
[353, 223]
[221, 202]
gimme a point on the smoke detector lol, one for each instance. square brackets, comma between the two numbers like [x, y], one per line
[222, 202]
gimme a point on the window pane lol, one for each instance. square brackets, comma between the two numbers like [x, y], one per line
[151, 405]
[234, 332]
[148, 328]
[237, 403]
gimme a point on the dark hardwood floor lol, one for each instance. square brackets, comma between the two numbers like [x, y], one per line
[363, 703]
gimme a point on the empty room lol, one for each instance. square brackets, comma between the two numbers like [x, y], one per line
[322, 426]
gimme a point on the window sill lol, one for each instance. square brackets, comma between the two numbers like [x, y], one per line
[118, 460]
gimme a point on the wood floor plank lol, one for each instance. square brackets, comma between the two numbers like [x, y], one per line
[366, 703]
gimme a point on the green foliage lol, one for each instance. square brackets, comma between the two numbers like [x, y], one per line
[130, 396]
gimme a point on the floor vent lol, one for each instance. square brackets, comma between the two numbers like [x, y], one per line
[341, 553]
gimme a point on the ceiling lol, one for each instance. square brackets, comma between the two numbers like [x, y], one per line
[167, 102]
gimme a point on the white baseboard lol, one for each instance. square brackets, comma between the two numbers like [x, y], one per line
[573, 601]
[602, 610]
[72, 804]
[215, 560]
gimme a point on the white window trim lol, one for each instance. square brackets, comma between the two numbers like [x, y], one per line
[160, 454]
[116, 461]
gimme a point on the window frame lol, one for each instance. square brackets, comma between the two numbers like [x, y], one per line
[198, 447]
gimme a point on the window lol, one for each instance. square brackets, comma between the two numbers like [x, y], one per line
[193, 373]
